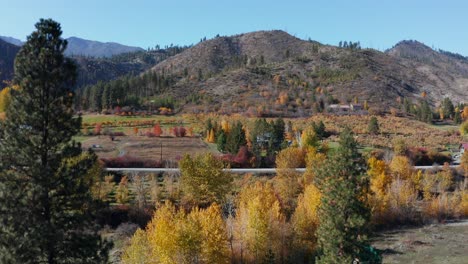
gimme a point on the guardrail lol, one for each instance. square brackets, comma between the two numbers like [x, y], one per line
[240, 171]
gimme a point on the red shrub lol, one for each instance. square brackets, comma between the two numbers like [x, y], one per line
[157, 130]
[179, 131]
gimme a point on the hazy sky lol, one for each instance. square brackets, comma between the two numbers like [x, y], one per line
[145, 23]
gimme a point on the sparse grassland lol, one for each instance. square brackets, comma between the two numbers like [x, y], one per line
[170, 148]
[432, 244]
[414, 133]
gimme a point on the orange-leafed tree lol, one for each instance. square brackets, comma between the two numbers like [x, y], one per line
[157, 130]
[465, 113]
[97, 129]
[190, 131]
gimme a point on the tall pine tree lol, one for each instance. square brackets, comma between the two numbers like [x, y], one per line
[45, 200]
[342, 233]
[236, 138]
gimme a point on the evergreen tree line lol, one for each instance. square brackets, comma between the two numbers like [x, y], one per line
[350, 45]
[126, 91]
[423, 112]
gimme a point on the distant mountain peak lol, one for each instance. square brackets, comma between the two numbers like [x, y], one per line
[11, 40]
[79, 46]
[84, 47]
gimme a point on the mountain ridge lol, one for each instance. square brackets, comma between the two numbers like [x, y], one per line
[84, 47]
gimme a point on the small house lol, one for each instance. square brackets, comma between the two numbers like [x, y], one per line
[356, 107]
[339, 108]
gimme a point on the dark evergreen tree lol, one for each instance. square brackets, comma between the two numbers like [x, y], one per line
[260, 137]
[457, 118]
[344, 217]
[320, 129]
[373, 127]
[407, 106]
[235, 138]
[447, 108]
[45, 201]
[221, 140]
[424, 112]
[277, 134]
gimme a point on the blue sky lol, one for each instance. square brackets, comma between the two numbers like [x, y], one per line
[376, 24]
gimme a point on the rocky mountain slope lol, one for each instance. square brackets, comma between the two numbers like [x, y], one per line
[258, 68]
[446, 72]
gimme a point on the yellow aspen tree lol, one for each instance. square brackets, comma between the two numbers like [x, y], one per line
[263, 224]
[464, 163]
[379, 178]
[4, 98]
[203, 180]
[366, 105]
[401, 167]
[211, 136]
[441, 113]
[305, 220]
[225, 126]
[138, 250]
[189, 237]
[122, 193]
[287, 179]
[464, 128]
[214, 246]
[313, 160]
[463, 205]
[162, 235]
[309, 138]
